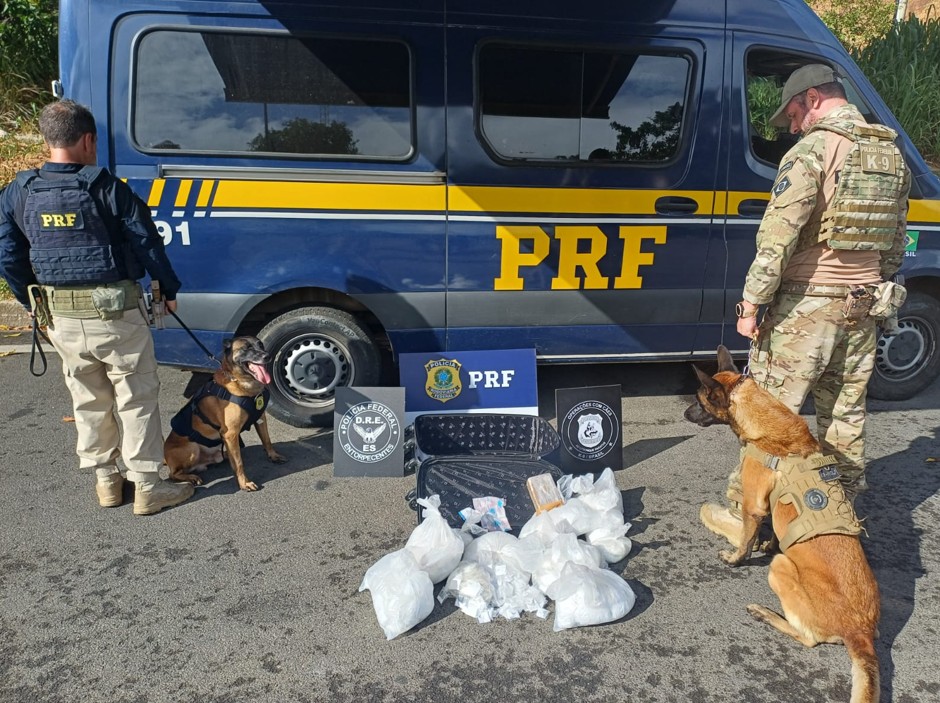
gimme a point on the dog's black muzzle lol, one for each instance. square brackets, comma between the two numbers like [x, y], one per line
[700, 416]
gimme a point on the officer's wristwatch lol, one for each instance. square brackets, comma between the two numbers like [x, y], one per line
[741, 312]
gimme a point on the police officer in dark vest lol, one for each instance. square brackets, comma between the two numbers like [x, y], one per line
[74, 240]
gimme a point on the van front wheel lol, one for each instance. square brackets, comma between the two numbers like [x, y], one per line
[314, 351]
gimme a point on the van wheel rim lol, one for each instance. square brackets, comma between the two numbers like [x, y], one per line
[900, 356]
[312, 367]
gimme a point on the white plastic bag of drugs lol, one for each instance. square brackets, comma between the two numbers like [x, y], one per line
[583, 518]
[601, 495]
[544, 529]
[472, 587]
[586, 596]
[565, 548]
[510, 561]
[612, 542]
[402, 594]
[505, 547]
[435, 545]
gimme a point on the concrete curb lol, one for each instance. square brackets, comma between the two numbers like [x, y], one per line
[12, 314]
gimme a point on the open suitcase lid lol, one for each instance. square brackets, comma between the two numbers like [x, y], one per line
[481, 433]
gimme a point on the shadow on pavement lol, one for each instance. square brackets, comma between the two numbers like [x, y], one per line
[898, 484]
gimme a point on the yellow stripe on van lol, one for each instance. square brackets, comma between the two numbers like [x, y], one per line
[205, 190]
[156, 192]
[182, 195]
[924, 211]
[570, 200]
[329, 196]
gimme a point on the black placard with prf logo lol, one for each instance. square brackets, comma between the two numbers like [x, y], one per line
[591, 428]
[368, 434]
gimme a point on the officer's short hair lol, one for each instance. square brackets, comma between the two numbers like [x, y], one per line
[832, 90]
[63, 123]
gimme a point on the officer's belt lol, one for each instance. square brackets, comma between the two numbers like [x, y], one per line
[76, 301]
[822, 290]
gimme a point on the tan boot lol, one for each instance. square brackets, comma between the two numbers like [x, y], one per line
[723, 521]
[110, 490]
[150, 498]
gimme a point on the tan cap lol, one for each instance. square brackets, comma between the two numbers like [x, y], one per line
[801, 79]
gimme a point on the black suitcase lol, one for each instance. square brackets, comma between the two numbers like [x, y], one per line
[467, 456]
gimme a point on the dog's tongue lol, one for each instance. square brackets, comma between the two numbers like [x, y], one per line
[260, 373]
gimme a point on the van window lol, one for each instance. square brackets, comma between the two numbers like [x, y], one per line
[571, 105]
[767, 71]
[272, 94]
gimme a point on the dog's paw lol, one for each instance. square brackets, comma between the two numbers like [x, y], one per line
[249, 486]
[768, 546]
[730, 558]
[276, 458]
[760, 613]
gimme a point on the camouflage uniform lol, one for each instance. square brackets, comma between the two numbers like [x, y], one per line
[805, 344]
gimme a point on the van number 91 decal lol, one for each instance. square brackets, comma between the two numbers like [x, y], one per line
[167, 231]
[580, 247]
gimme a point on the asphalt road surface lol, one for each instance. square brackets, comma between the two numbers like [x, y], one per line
[236, 596]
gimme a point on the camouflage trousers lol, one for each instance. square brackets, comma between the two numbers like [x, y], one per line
[805, 345]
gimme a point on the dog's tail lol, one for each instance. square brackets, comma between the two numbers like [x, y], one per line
[866, 681]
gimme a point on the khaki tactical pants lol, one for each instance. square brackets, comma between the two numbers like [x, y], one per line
[809, 348]
[109, 369]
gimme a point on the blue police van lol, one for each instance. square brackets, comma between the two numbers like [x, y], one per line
[355, 179]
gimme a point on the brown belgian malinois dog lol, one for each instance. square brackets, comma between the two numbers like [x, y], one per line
[826, 588]
[217, 414]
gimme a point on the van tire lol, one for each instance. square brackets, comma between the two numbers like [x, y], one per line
[314, 351]
[909, 361]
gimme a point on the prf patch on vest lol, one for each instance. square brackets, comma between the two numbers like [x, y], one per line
[878, 159]
[57, 221]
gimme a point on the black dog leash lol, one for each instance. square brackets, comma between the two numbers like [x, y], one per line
[37, 346]
[195, 339]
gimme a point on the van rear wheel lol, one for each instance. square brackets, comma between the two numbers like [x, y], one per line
[314, 351]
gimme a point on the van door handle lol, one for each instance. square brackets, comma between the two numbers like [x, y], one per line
[754, 207]
[676, 205]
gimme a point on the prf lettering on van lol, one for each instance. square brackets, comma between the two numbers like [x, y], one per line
[581, 250]
[60, 220]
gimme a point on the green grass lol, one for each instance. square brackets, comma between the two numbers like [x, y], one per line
[904, 67]
[18, 151]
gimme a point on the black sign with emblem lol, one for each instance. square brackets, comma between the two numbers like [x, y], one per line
[368, 432]
[590, 426]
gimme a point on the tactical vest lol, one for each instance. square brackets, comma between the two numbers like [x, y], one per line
[70, 243]
[182, 422]
[812, 487]
[863, 215]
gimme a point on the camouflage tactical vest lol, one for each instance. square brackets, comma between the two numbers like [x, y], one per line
[863, 215]
[812, 487]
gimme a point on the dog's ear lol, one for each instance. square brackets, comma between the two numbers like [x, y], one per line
[725, 362]
[705, 379]
[227, 344]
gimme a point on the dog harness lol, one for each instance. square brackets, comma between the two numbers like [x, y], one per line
[182, 422]
[812, 486]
